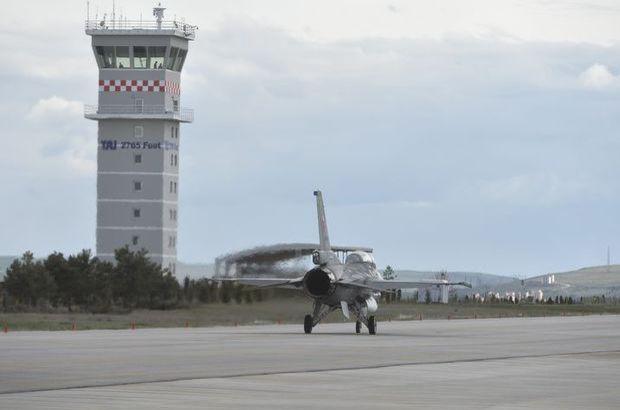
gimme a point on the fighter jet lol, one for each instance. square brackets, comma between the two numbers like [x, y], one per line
[352, 286]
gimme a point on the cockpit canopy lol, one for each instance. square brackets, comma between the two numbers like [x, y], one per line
[359, 257]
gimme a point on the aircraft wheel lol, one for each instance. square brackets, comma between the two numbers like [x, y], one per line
[372, 325]
[358, 327]
[308, 324]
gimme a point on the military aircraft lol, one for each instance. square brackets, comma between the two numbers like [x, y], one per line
[352, 286]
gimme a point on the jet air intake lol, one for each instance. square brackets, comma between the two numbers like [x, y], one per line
[319, 283]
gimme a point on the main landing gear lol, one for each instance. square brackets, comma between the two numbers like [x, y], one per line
[361, 314]
[372, 325]
[320, 311]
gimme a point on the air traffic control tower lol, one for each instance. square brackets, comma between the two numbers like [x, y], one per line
[139, 116]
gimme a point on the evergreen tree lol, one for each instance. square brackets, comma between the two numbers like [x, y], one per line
[388, 273]
[238, 293]
[28, 282]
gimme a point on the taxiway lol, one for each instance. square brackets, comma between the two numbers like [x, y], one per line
[565, 362]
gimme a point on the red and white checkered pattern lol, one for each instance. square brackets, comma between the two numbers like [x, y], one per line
[139, 85]
[173, 88]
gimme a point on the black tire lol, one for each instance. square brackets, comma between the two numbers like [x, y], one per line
[358, 327]
[308, 324]
[372, 325]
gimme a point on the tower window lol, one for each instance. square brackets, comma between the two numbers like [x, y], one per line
[175, 105]
[136, 212]
[139, 57]
[156, 57]
[137, 185]
[137, 158]
[122, 57]
[178, 64]
[171, 59]
[138, 130]
[105, 56]
[173, 187]
[134, 239]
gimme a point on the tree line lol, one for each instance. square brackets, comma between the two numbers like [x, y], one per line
[85, 283]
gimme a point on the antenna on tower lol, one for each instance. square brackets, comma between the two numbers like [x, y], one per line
[158, 12]
[87, 10]
[113, 14]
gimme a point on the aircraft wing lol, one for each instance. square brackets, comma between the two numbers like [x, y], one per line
[399, 284]
[266, 282]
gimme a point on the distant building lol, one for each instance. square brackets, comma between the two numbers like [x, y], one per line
[438, 294]
[539, 296]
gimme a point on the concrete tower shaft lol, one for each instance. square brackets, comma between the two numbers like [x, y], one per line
[139, 112]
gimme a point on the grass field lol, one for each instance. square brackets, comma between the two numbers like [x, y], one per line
[278, 311]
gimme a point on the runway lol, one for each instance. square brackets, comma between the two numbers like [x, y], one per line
[563, 362]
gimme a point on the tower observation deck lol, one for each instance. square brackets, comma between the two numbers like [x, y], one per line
[139, 113]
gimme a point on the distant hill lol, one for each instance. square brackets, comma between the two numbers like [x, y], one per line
[595, 280]
[595, 275]
[477, 279]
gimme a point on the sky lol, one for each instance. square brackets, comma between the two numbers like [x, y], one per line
[478, 136]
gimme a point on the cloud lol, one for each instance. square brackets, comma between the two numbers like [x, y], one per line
[56, 108]
[62, 139]
[390, 127]
[546, 189]
[598, 76]
[393, 8]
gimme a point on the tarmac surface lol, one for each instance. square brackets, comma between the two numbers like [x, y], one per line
[559, 362]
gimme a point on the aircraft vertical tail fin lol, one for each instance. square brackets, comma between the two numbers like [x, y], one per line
[324, 244]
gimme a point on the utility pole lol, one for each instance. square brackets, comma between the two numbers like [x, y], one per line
[608, 257]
